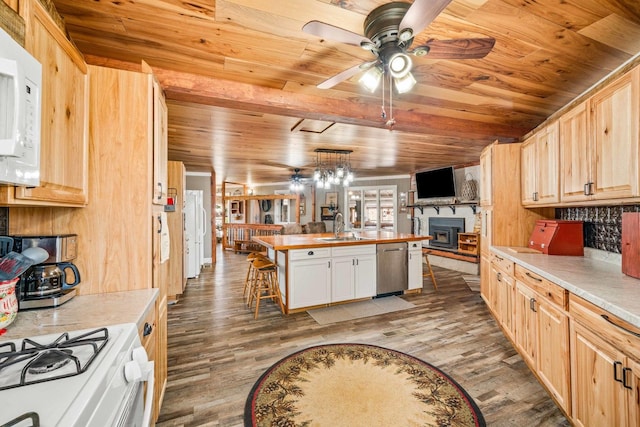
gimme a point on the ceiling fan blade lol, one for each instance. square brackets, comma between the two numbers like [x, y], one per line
[458, 48]
[331, 32]
[421, 13]
[349, 72]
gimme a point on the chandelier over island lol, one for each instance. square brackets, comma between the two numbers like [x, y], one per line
[333, 167]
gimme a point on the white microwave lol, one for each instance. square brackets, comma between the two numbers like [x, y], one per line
[20, 109]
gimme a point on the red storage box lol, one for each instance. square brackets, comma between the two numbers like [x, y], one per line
[555, 237]
[631, 244]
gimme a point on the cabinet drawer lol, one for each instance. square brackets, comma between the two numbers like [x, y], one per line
[502, 263]
[311, 253]
[353, 250]
[552, 292]
[415, 246]
[615, 331]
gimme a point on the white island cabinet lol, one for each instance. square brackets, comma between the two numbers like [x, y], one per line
[353, 274]
[415, 265]
[309, 277]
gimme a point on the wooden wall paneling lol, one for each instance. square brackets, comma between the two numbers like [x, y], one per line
[114, 244]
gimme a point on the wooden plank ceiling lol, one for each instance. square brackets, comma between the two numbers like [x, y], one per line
[240, 74]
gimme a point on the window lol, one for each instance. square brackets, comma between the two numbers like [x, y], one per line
[371, 208]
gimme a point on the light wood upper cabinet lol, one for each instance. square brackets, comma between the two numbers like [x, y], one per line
[540, 176]
[64, 130]
[599, 144]
[575, 155]
[614, 117]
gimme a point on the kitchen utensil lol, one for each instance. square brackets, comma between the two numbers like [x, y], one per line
[14, 264]
[38, 255]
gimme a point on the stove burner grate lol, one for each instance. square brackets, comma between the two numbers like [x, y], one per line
[49, 360]
[35, 359]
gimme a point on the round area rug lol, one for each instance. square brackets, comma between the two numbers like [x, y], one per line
[357, 385]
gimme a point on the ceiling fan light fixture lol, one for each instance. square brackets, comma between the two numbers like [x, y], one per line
[405, 84]
[367, 45]
[371, 79]
[406, 34]
[399, 64]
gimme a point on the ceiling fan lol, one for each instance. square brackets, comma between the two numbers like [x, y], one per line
[389, 32]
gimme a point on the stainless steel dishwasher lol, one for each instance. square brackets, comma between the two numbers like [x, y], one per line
[392, 268]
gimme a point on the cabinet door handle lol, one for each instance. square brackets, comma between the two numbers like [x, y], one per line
[625, 384]
[535, 196]
[616, 364]
[159, 224]
[537, 279]
[532, 304]
[159, 191]
[328, 264]
[498, 258]
[499, 277]
[147, 329]
[310, 253]
[605, 317]
[353, 262]
[587, 189]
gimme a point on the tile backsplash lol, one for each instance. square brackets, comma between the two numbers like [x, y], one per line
[602, 224]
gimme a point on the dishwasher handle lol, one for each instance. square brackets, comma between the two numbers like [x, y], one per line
[393, 250]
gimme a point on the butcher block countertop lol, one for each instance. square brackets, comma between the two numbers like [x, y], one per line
[600, 282]
[84, 312]
[303, 241]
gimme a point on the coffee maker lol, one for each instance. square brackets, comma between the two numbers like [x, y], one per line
[52, 282]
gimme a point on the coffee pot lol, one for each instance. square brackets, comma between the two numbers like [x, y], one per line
[49, 279]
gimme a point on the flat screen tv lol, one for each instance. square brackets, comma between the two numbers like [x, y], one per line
[436, 183]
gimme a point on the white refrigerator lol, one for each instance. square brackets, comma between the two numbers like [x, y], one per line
[194, 231]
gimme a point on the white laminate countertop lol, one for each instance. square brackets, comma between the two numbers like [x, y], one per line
[83, 312]
[599, 282]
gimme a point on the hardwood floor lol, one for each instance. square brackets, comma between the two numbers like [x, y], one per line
[217, 350]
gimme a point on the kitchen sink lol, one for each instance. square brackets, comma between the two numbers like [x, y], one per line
[344, 239]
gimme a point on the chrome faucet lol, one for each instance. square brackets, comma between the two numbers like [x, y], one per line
[338, 224]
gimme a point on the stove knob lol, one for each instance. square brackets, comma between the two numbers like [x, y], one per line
[132, 372]
[140, 355]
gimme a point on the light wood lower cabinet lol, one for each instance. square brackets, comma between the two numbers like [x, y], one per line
[605, 355]
[542, 332]
[502, 284]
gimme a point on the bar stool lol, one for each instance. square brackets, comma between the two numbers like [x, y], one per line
[250, 274]
[264, 284]
[425, 255]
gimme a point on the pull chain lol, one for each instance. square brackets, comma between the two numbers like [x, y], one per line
[383, 113]
[392, 121]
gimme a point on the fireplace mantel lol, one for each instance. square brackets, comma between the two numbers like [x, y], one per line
[472, 204]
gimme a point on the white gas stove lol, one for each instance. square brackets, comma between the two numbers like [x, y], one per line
[80, 378]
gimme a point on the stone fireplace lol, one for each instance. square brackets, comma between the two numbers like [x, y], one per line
[445, 232]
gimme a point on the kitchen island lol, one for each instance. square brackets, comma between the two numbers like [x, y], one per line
[316, 270]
